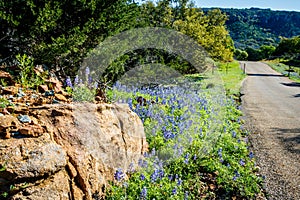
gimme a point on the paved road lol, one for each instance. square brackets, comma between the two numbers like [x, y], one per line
[271, 104]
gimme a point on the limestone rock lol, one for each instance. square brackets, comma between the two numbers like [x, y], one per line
[75, 151]
[61, 97]
[24, 118]
[34, 130]
[30, 158]
[11, 90]
[7, 122]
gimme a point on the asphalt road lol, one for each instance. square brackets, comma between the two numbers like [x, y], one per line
[271, 104]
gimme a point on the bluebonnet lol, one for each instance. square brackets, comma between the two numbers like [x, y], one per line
[220, 155]
[87, 71]
[186, 158]
[186, 195]
[69, 82]
[119, 175]
[195, 157]
[143, 194]
[142, 177]
[179, 181]
[131, 168]
[233, 134]
[155, 175]
[174, 191]
[251, 155]
[236, 175]
[76, 80]
[242, 162]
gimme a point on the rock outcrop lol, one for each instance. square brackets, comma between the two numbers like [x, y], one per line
[67, 151]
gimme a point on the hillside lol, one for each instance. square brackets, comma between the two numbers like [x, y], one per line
[255, 27]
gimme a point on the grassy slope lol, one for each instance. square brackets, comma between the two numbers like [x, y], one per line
[282, 68]
[232, 76]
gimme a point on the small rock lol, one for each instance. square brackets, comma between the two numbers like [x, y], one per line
[18, 108]
[55, 101]
[20, 93]
[43, 88]
[10, 90]
[6, 77]
[7, 134]
[24, 118]
[49, 93]
[40, 101]
[61, 97]
[34, 96]
[6, 123]
[55, 84]
[5, 111]
[98, 98]
[34, 130]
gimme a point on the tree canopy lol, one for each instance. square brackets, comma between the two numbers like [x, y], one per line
[60, 33]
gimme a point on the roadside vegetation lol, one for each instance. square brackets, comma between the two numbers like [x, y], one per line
[292, 72]
[198, 147]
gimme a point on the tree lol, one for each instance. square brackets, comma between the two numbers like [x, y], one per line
[240, 54]
[59, 33]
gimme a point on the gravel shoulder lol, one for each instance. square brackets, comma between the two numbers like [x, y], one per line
[271, 107]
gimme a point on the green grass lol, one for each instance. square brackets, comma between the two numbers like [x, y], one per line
[232, 76]
[282, 68]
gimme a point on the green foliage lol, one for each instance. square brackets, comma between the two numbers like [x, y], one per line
[83, 93]
[284, 69]
[53, 33]
[288, 53]
[240, 54]
[288, 46]
[229, 166]
[3, 104]
[232, 76]
[28, 77]
[253, 54]
[255, 27]
[60, 33]
[267, 51]
[209, 31]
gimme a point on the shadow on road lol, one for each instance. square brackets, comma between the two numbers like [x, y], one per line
[293, 84]
[292, 142]
[296, 95]
[270, 75]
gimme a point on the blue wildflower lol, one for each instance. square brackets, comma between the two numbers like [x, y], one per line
[251, 155]
[186, 160]
[143, 194]
[242, 163]
[154, 176]
[186, 195]
[87, 71]
[119, 175]
[142, 177]
[174, 191]
[76, 80]
[233, 134]
[179, 181]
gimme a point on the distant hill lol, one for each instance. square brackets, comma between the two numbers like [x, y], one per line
[255, 27]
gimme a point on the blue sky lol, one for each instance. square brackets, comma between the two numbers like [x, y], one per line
[292, 5]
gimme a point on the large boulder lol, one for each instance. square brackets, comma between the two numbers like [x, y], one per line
[78, 154]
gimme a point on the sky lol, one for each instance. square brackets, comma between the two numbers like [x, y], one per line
[290, 5]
